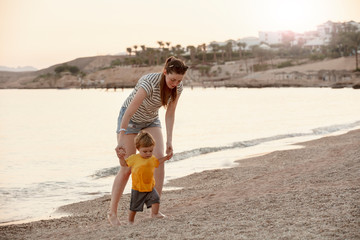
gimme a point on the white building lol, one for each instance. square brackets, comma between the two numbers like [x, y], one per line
[270, 37]
[325, 31]
[314, 43]
[249, 41]
[311, 39]
[355, 24]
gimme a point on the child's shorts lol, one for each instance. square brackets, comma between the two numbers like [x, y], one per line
[138, 199]
[134, 127]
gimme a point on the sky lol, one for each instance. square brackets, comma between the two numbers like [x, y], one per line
[42, 33]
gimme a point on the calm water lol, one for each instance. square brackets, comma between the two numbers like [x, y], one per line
[57, 146]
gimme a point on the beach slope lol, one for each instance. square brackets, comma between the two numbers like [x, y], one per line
[307, 193]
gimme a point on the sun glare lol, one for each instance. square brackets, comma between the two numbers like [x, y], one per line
[294, 15]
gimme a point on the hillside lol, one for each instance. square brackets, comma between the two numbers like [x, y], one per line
[327, 73]
[87, 65]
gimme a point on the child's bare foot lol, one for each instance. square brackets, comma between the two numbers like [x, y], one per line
[159, 215]
[113, 219]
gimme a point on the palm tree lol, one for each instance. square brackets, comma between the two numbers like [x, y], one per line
[352, 39]
[229, 49]
[129, 50]
[223, 50]
[215, 49]
[159, 52]
[241, 46]
[178, 50]
[192, 51]
[202, 49]
[161, 44]
[347, 40]
[158, 55]
[143, 53]
[135, 47]
[150, 52]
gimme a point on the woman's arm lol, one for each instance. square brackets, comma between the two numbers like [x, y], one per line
[169, 122]
[133, 107]
[130, 111]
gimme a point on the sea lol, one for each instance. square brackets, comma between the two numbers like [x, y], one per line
[57, 146]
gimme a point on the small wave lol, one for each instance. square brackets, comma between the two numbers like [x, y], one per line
[106, 172]
[335, 128]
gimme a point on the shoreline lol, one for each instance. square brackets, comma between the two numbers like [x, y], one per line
[309, 192]
[219, 160]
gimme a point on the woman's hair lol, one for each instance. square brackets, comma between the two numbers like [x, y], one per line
[172, 65]
[144, 139]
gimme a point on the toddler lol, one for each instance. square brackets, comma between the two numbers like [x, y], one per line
[142, 167]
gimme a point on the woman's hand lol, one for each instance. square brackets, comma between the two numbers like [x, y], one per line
[169, 149]
[120, 150]
[169, 156]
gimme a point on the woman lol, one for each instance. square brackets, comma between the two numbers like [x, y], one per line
[140, 112]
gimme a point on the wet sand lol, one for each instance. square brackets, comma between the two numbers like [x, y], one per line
[307, 193]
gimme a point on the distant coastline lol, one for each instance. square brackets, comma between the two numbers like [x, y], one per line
[18, 69]
[335, 73]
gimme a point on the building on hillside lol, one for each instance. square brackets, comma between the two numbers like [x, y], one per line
[299, 39]
[223, 45]
[280, 37]
[314, 43]
[249, 41]
[271, 37]
[313, 40]
[264, 46]
[355, 24]
[325, 31]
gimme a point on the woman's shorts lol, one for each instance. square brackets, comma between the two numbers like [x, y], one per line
[133, 127]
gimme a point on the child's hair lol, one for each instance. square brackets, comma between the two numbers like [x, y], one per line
[144, 139]
[172, 65]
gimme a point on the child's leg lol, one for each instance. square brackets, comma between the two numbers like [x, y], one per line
[131, 216]
[155, 211]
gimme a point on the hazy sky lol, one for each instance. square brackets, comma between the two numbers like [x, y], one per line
[41, 33]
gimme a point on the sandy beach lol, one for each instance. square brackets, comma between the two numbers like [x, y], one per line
[307, 193]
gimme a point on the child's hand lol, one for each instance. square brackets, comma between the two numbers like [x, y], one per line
[169, 156]
[121, 153]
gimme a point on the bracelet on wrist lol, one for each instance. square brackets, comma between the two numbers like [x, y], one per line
[122, 130]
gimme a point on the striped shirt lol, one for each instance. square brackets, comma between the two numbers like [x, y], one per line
[149, 108]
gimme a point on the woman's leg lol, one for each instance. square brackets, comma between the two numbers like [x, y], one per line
[159, 153]
[121, 180]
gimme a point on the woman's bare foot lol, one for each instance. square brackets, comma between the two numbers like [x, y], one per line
[159, 215]
[113, 219]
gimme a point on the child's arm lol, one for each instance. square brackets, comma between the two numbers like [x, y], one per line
[122, 159]
[163, 159]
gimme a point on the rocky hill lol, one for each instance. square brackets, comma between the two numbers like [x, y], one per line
[43, 78]
[334, 73]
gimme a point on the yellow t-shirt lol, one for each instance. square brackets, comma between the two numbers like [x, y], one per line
[142, 172]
